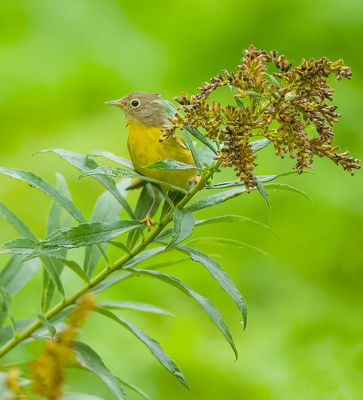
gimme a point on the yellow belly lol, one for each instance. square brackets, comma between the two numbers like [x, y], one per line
[145, 148]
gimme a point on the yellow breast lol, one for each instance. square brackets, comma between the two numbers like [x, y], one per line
[145, 148]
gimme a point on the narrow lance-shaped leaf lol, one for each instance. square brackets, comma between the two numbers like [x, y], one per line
[16, 274]
[125, 173]
[80, 396]
[216, 199]
[272, 79]
[29, 247]
[223, 241]
[107, 208]
[284, 186]
[183, 226]
[258, 145]
[192, 149]
[147, 203]
[136, 306]
[205, 303]
[169, 164]
[5, 301]
[171, 111]
[54, 223]
[199, 136]
[45, 187]
[8, 332]
[221, 276]
[112, 157]
[107, 283]
[84, 164]
[136, 260]
[149, 342]
[260, 178]
[18, 246]
[230, 218]
[16, 222]
[86, 234]
[75, 267]
[51, 328]
[135, 389]
[261, 189]
[89, 359]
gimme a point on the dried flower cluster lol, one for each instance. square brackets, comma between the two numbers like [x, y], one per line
[48, 369]
[290, 107]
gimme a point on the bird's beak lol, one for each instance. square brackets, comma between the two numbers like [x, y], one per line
[118, 103]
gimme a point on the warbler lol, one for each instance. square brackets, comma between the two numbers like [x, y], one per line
[145, 118]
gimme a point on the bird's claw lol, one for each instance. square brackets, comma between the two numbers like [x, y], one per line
[148, 221]
[197, 179]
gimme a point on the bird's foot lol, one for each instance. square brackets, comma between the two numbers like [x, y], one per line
[148, 221]
[197, 179]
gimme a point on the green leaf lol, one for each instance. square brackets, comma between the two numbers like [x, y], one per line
[135, 389]
[85, 164]
[261, 189]
[261, 178]
[75, 267]
[107, 208]
[54, 217]
[230, 218]
[199, 136]
[254, 94]
[45, 187]
[273, 80]
[168, 107]
[112, 157]
[107, 283]
[149, 342]
[143, 256]
[119, 245]
[216, 199]
[183, 226]
[16, 274]
[135, 305]
[124, 173]
[18, 246]
[86, 234]
[17, 223]
[169, 164]
[237, 99]
[51, 328]
[54, 223]
[205, 303]
[90, 360]
[221, 276]
[147, 203]
[5, 301]
[284, 186]
[80, 396]
[222, 241]
[171, 111]
[52, 268]
[257, 145]
[192, 149]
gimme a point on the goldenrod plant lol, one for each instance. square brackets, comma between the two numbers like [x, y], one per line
[273, 103]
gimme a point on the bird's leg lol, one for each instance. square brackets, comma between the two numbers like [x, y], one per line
[147, 220]
[196, 179]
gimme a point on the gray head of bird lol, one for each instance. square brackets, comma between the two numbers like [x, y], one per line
[142, 107]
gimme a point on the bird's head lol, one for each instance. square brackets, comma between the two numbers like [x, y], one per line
[142, 107]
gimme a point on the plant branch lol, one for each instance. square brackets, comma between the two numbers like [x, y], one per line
[118, 264]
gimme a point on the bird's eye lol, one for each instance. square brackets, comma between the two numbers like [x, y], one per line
[135, 103]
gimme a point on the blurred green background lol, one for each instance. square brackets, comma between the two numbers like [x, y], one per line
[61, 60]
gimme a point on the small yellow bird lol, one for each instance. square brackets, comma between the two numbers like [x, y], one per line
[145, 117]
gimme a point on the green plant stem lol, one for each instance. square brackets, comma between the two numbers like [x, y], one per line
[26, 333]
